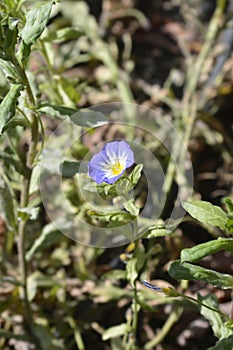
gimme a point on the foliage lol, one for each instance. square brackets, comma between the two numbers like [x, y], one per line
[57, 293]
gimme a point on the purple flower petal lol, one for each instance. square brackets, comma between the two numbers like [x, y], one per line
[109, 164]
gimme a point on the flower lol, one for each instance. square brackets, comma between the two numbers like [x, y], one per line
[109, 164]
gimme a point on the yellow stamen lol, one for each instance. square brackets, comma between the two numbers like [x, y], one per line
[117, 168]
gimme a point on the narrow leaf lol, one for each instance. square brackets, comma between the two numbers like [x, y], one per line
[49, 236]
[63, 35]
[115, 331]
[201, 250]
[136, 174]
[56, 111]
[89, 118]
[186, 271]
[7, 205]
[8, 105]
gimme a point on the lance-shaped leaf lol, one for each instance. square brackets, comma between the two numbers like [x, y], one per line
[201, 250]
[8, 105]
[187, 271]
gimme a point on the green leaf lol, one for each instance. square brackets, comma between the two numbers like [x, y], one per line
[11, 35]
[201, 250]
[89, 118]
[134, 177]
[206, 213]
[115, 331]
[8, 105]
[187, 271]
[7, 206]
[131, 207]
[63, 35]
[229, 205]
[132, 271]
[8, 69]
[39, 280]
[223, 344]
[48, 236]
[36, 21]
[220, 328]
[70, 168]
[155, 231]
[56, 111]
[10, 159]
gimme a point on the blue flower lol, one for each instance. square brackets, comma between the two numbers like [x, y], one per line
[109, 164]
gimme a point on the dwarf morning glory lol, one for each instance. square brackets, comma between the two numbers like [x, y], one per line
[109, 164]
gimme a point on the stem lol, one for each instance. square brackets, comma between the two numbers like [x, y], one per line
[189, 104]
[172, 319]
[24, 201]
[22, 264]
[135, 308]
[207, 306]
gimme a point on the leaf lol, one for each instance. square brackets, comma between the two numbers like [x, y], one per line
[115, 331]
[131, 207]
[8, 69]
[219, 327]
[134, 177]
[10, 159]
[201, 250]
[132, 271]
[63, 35]
[11, 35]
[56, 111]
[187, 271]
[49, 235]
[8, 105]
[70, 168]
[89, 118]
[206, 213]
[7, 205]
[39, 280]
[155, 231]
[229, 205]
[223, 344]
[36, 21]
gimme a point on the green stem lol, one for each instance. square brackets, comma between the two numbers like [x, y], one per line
[208, 307]
[24, 201]
[172, 319]
[189, 104]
